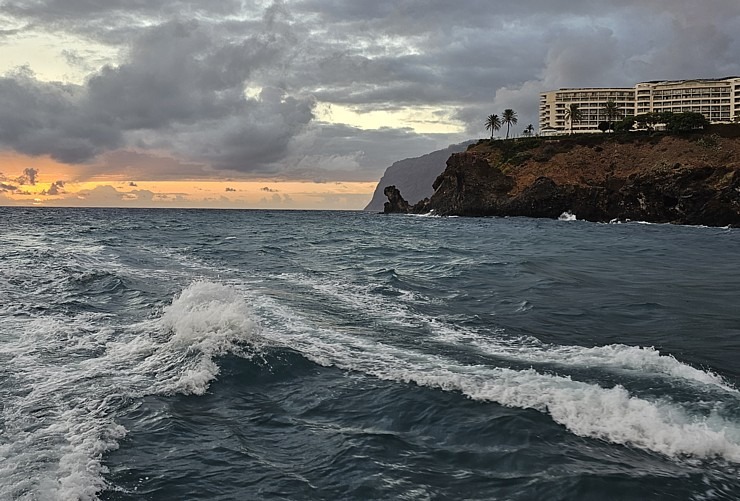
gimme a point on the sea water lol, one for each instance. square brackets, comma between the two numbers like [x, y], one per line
[187, 354]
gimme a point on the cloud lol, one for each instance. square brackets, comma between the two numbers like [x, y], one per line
[38, 118]
[55, 188]
[231, 88]
[180, 89]
[28, 176]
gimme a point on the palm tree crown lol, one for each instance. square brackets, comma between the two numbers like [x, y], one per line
[573, 114]
[509, 118]
[493, 123]
[529, 130]
[611, 111]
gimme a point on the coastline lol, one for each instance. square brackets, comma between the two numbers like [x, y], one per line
[691, 179]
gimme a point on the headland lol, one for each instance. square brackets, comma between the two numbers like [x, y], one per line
[690, 178]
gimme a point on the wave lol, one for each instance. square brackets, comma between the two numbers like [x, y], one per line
[73, 376]
[567, 216]
[642, 360]
[585, 409]
[399, 311]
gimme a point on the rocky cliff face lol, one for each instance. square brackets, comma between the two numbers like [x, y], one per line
[663, 179]
[413, 176]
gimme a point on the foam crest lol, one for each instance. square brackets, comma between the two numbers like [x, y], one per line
[638, 358]
[206, 320]
[399, 312]
[73, 375]
[567, 216]
[585, 409]
[612, 414]
[643, 360]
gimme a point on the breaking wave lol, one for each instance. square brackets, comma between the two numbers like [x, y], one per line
[73, 377]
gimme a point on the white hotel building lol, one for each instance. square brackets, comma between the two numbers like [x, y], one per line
[716, 99]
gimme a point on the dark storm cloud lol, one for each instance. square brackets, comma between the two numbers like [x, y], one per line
[39, 118]
[54, 11]
[179, 86]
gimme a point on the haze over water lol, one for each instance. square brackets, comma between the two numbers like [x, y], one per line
[175, 354]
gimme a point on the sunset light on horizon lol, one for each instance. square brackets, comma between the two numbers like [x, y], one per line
[187, 98]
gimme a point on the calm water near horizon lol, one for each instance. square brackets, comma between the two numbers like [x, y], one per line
[221, 355]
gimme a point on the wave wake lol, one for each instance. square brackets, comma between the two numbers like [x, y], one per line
[585, 409]
[73, 378]
[399, 312]
[61, 416]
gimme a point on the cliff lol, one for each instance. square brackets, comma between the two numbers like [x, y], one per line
[687, 179]
[414, 176]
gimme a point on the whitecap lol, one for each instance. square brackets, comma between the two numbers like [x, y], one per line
[585, 409]
[567, 216]
[72, 376]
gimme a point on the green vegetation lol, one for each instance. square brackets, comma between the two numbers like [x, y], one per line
[684, 122]
[648, 120]
[573, 115]
[624, 125]
[493, 123]
[519, 150]
[710, 142]
[673, 122]
[611, 112]
[509, 118]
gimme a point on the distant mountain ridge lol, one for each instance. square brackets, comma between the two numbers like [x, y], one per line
[414, 176]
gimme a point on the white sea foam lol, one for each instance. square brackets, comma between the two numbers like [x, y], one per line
[71, 375]
[61, 417]
[399, 312]
[643, 360]
[567, 216]
[588, 410]
[431, 213]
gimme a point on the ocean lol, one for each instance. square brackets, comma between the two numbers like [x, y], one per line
[238, 355]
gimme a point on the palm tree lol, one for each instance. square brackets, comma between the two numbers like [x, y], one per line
[611, 111]
[573, 114]
[493, 123]
[509, 118]
[529, 130]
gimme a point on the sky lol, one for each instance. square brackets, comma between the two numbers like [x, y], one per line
[302, 104]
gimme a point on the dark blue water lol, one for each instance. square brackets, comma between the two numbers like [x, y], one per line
[165, 354]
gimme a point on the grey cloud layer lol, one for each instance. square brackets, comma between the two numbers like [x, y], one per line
[179, 88]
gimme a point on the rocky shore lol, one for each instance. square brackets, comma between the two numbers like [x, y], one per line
[689, 179]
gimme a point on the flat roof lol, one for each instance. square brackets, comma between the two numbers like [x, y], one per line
[590, 88]
[566, 89]
[689, 80]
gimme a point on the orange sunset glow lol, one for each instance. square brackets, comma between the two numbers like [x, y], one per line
[58, 185]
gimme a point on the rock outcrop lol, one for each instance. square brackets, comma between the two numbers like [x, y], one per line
[396, 202]
[662, 179]
[414, 176]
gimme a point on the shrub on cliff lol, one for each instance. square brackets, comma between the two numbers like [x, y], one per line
[685, 122]
[624, 125]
